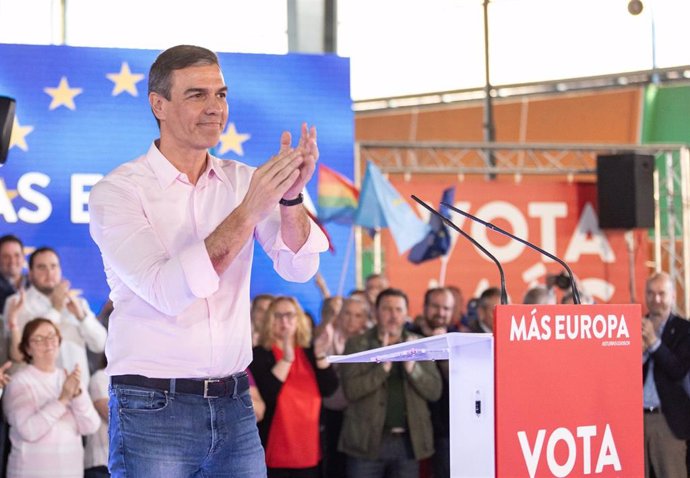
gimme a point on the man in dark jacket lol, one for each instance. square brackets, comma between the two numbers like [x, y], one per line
[387, 426]
[666, 361]
[437, 319]
[12, 263]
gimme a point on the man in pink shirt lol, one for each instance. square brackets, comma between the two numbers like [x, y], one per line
[176, 228]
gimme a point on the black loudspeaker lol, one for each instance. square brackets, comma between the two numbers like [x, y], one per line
[6, 121]
[626, 191]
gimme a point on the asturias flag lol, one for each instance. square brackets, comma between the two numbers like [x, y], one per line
[437, 241]
[380, 205]
[337, 197]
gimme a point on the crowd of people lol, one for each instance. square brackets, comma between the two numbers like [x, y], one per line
[53, 346]
[54, 387]
[315, 419]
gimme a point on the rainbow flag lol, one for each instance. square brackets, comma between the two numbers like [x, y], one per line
[337, 197]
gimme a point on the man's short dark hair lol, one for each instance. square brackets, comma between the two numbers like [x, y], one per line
[176, 58]
[436, 290]
[40, 251]
[487, 295]
[391, 292]
[7, 238]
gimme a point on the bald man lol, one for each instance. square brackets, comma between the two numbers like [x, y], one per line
[666, 361]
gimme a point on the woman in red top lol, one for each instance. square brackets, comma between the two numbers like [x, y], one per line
[292, 376]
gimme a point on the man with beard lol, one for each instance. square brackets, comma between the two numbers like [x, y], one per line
[436, 319]
[387, 426]
[12, 264]
[50, 297]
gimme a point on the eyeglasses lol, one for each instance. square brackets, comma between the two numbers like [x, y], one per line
[40, 339]
[284, 315]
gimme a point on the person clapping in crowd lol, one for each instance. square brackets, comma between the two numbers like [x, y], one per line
[436, 319]
[387, 426]
[47, 409]
[292, 377]
[349, 322]
[50, 296]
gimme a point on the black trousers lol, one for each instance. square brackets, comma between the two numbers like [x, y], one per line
[334, 462]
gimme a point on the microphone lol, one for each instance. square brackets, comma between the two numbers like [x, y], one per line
[504, 294]
[576, 294]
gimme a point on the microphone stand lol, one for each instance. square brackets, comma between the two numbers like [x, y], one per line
[573, 286]
[504, 294]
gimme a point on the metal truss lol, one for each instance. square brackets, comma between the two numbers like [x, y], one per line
[672, 196]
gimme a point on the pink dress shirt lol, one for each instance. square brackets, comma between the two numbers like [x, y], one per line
[45, 434]
[174, 315]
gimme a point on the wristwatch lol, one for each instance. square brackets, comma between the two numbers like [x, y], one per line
[292, 202]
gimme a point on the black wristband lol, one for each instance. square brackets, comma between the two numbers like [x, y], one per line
[292, 202]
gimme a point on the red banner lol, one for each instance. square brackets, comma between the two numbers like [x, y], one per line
[558, 216]
[568, 391]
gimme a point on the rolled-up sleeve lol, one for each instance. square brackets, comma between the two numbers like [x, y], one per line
[131, 247]
[292, 266]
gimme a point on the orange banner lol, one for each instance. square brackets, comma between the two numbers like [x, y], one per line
[558, 216]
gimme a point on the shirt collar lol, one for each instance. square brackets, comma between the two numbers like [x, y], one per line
[163, 169]
[214, 168]
[166, 173]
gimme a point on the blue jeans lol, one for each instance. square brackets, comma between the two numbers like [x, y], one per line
[396, 460]
[160, 434]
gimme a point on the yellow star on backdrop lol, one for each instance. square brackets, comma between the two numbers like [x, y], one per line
[18, 136]
[63, 95]
[231, 140]
[11, 193]
[125, 80]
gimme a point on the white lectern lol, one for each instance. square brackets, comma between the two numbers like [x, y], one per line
[471, 381]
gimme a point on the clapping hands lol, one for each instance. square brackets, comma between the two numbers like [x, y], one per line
[72, 386]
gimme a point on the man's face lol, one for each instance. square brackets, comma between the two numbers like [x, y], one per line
[391, 315]
[659, 297]
[353, 317]
[438, 312]
[11, 260]
[374, 286]
[195, 115]
[45, 273]
[486, 313]
[459, 307]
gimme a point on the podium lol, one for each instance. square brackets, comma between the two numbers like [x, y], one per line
[555, 391]
[471, 382]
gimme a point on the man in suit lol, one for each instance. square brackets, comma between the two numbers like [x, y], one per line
[489, 299]
[666, 361]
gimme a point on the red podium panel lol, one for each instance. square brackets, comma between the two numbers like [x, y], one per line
[568, 391]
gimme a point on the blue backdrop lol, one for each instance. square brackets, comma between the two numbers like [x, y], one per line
[83, 111]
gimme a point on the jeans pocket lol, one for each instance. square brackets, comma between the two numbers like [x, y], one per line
[135, 400]
[246, 399]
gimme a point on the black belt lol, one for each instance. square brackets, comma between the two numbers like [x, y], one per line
[207, 388]
[652, 409]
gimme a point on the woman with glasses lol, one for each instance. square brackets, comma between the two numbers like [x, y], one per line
[292, 377]
[47, 410]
